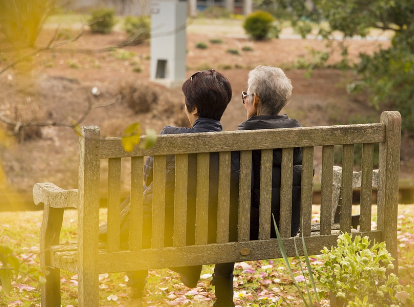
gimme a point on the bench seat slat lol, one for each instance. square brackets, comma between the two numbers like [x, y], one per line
[245, 195]
[249, 140]
[326, 189]
[136, 215]
[366, 186]
[114, 197]
[158, 202]
[203, 174]
[306, 191]
[223, 210]
[265, 217]
[346, 187]
[286, 193]
[196, 254]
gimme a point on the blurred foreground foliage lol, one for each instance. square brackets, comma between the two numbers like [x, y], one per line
[387, 75]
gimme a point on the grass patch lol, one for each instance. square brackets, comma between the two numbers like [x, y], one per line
[255, 282]
[201, 45]
[233, 51]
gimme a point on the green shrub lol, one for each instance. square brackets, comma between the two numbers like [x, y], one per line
[247, 48]
[216, 41]
[258, 25]
[215, 12]
[137, 27]
[355, 271]
[225, 66]
[201, 45]
[102, 20]
[233, 51]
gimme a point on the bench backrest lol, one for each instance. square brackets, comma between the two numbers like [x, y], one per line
[94, 149]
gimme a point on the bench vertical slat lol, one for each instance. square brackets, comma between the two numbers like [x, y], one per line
[366, 186]
[391, 167]
[88, 217]
[158, 202]
[286, 193]
[180, 200]
[265, 217]
[326, 189]
[223, 210]
[203, 174]
[114, 197]
[136, 215]
[306, 191]
[346, 187]
[245, 187]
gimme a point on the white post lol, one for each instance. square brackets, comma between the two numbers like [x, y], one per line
[247, 7]
[230, 6]
[193, 8]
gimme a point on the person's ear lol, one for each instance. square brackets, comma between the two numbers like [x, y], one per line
[256, 101]
[194, 111]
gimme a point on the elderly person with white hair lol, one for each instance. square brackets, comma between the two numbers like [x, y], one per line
[268, 92]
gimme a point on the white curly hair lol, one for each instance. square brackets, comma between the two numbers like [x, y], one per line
[272, 86]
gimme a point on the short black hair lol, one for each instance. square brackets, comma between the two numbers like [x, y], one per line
[209, 91]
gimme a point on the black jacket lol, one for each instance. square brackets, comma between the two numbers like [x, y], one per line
[200, 125]
[274, 122]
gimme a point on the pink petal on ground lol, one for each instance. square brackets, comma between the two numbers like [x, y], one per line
[25, 288]
[251, 271]
[300, 278]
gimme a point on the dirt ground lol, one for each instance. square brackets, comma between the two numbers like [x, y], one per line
[61, 83]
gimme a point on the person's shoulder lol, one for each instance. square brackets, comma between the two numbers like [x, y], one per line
[174, 130]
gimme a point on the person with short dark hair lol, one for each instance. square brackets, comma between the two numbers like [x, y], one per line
[207, 94]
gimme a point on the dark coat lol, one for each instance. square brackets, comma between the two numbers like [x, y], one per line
[200, 125]
[274, 122]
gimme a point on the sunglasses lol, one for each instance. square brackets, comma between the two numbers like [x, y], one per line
[199, 72]
[244, 96]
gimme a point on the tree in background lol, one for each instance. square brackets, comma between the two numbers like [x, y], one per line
[388, 74]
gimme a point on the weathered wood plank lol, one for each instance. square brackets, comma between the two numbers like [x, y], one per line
[249, 140]
[366, 186]
[49, 236]
[326, 189]
[223, 210]
[216, 253]
[180, 200]
[392, 121]
[203, 173]
[346, 187]
[51, 195]
[265, 217]
[114, 198]
[158, 202]
[286, 193]
[136, 215]
[88, 217]
[244, 195]
[306, 191]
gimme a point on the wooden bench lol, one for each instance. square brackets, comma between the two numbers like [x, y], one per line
[87, 259]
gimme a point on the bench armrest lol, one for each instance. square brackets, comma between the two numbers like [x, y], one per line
[51, 195]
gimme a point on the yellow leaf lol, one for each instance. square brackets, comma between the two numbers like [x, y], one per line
[131, 136]
[150, 139]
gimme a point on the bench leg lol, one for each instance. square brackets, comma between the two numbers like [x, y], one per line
[50, 232]
[88, 289]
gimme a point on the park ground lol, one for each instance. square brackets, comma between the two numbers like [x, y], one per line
[255, 282]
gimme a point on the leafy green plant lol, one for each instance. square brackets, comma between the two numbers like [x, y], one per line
[138, 28]
[201, 45]
[102, 20]
[233, 51]
[247, 48]
[216, 41]
[10, 266]
[258, 25]
[356, 269]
